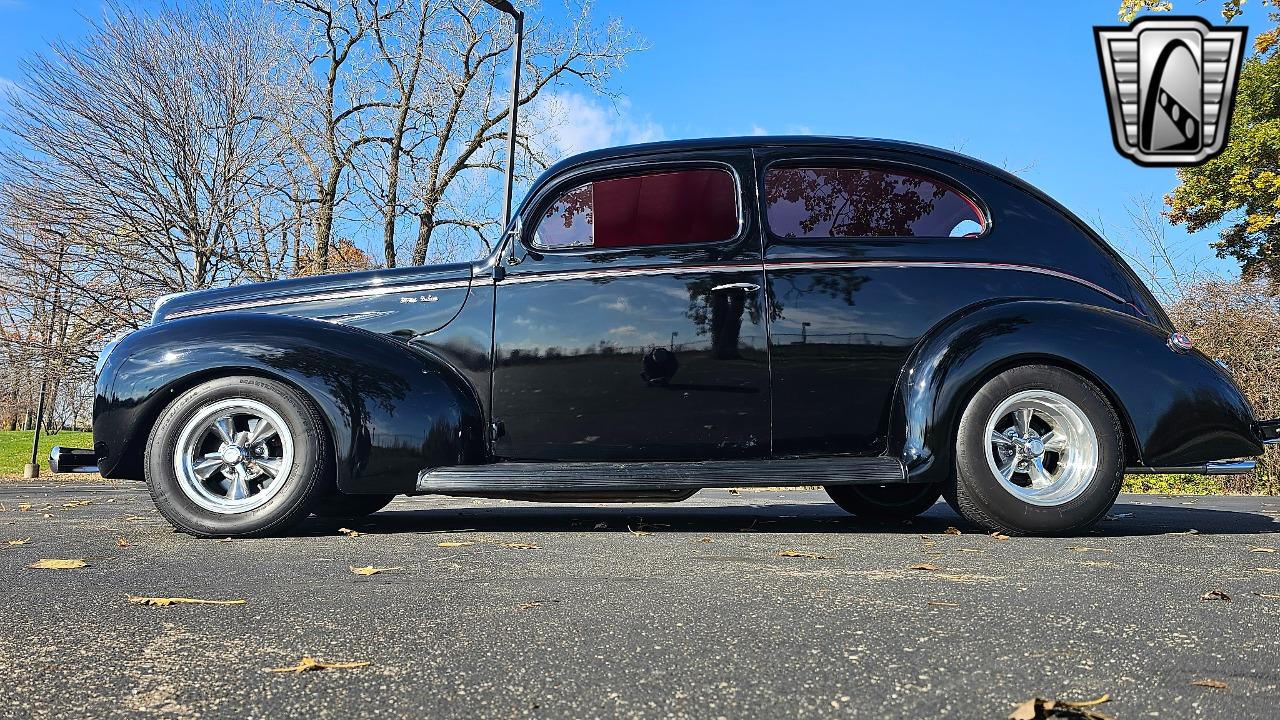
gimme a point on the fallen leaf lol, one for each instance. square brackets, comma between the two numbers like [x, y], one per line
[943, 603]
[973, 550]
[371, 570]
[999, 536]
[1192, 531]
[121, 542]
[952, 530]
[455, 543]
[1216, 595]
[925, 566]
[1045, 709]
[76, 503]
[802, 554]
[638, 533]
[528, 605]
[55, 564]
[1262, 549]
[307, 664]
[705, 540]
[21, 541]
[1267, 596]
[521, 546]
[349, 532]
[1082, 548]
[1268, 570]
[23, 507]
[1215, 684]
[167, 601]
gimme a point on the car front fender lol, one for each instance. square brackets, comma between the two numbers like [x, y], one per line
[390, 410]
[1179, 408]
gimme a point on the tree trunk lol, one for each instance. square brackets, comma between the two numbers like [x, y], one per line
[426, 223]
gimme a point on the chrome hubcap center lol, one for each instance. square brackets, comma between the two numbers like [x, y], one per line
[1035, 447]
[233, 455]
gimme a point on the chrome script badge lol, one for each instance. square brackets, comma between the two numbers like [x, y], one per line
[1170, 84]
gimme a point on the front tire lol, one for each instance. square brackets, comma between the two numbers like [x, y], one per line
[1039, 451]
[237, 457]
[895, 502]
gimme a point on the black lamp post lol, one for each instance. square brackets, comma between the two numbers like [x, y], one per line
[506, 7]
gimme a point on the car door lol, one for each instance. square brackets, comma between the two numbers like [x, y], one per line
[630, 325]
[861, 255]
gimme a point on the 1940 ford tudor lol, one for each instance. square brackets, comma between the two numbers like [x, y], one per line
[890, 321]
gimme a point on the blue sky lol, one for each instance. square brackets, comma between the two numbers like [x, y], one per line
[1014, 83]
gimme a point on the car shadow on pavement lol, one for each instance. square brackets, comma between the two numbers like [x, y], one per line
[774, 517]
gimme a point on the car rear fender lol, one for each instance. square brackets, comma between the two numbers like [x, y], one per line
[1178, 408]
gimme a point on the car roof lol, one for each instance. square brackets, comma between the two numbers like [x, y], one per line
[623, 152]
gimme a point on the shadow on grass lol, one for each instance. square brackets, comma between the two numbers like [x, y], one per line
[1125, 520]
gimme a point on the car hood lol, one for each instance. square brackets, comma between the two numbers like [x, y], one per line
[313, 296]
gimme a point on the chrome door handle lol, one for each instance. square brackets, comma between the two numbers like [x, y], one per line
[744, 287]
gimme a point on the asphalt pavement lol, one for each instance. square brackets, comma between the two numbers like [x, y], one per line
[733, 605]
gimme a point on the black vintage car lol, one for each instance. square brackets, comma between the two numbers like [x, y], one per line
[890, 321]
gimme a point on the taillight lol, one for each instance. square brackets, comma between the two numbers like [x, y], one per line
[1180, 343]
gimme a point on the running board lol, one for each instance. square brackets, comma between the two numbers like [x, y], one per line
[609, 476]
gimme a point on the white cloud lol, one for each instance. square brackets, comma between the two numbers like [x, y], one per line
[757, 130]
[586, 124]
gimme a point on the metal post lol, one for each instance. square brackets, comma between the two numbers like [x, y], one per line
[516, 60]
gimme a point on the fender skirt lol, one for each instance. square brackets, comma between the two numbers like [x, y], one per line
[391, 410]
[1180, 409]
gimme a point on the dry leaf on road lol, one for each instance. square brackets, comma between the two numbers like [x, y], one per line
[167, 601]
[952, 530]
[521, 546]
[56, 564]
[943, 603]
[307, 664]
[1216, 595]
[1267, 596]
[925, 566]
[20, 541]
[349, 532]
[121, 542]
[454, 543]
[999, 536]
[1268, 570]
[1044, 709]
[802, 554]
[638, 533]
[1262, 549]
[1082, 548]
[1192, 531]
[528, 605]
[1215, 684]
[76, 503]
[371, 570]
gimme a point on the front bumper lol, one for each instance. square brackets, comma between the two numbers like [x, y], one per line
[72, 460]
[1268, 432]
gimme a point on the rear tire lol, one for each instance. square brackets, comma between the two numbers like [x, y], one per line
[1039, 451]
[894, 502]
[238, 456]
[340, 506]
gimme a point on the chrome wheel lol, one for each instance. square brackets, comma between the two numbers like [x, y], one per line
[233, 455]
[1041, 447]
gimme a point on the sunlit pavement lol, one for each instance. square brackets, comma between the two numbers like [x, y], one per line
[683, 610]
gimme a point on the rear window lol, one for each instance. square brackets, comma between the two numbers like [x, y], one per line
[669, 208]
[852, 202]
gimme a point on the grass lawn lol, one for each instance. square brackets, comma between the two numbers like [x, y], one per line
[15, 448]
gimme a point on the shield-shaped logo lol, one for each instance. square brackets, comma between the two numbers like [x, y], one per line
[1170, 84]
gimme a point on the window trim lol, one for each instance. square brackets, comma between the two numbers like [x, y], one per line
[572, 180]
[869, 163]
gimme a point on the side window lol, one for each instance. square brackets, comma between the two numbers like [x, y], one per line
[830, 202]
[666, 208]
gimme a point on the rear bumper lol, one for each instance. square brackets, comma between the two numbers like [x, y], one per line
[1225, 467]
[1268, 431]
[72, 460]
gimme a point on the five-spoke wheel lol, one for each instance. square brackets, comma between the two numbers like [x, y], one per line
[1039, 450]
